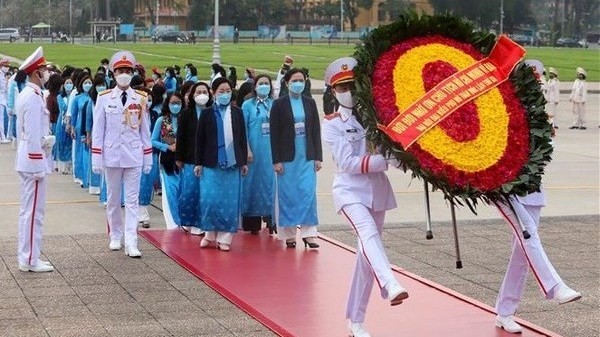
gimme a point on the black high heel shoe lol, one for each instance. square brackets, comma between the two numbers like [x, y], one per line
[310, 244]
[290, 244]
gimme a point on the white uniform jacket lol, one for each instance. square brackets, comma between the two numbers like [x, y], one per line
[360, 176]
[579, 91]
[121, 133]
[33, 125]
[533, 199]
[552, 90]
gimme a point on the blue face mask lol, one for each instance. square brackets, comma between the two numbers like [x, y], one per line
[263, 90]
[100, 88]
[297, 87]
[174, 108]
[86, 87]
[224, 98]
[68, 87]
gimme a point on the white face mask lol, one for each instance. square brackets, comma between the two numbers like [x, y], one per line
[345, 99]
[45, 77]
[201, 99]
[123, 80]
[4, 69]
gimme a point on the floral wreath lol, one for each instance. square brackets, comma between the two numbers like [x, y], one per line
[494, 145]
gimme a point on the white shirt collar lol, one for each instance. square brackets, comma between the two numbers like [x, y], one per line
[345, 113]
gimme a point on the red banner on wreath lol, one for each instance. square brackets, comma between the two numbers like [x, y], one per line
[455, 91]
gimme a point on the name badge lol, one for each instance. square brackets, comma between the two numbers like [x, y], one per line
[300, 130]
[266, 129]
[352, 130]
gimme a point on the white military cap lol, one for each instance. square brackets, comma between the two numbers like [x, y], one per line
[122, 59]
[538, 67]
[552, 71]
[34, 61]
[581, 71]
[340, 71]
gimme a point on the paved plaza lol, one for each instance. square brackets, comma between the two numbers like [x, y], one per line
[95, 292]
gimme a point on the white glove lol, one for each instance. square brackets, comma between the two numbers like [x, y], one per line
[38, 175]
[147, 169]
[97, 169]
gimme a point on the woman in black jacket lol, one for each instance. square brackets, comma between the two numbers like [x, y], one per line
[185, 157]
[221, 157]
[297, 156]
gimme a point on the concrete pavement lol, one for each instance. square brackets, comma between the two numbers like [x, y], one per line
[95, 292]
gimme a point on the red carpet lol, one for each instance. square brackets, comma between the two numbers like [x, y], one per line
[303, 293]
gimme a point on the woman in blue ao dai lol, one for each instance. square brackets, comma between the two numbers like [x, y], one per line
[82, 156]
[164, 139]
[221, 157]
[297, 156]
[98, 86]
[257, 187]
[147, 180]
[64, 143]
[189, 198]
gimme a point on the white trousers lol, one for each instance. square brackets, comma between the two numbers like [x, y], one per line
[284, 233]
[579, 112]
[129, 178]
[526, 254]
[31, 217]
[371, 259]
[220, 237]
[552, 111]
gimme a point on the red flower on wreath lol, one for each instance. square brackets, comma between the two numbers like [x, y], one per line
[484, 144]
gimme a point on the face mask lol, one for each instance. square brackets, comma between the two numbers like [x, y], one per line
[149, 103]
[174, 108]
[135, 73]
[45, 77]
[263, 90]
[345, 99]
[164, 96]
[155, 77]
[123, 80]
[224, 98]
[201, 99]
[4, 69]
[68, 87]
[296, 87]
[86, 87]
[100, 88]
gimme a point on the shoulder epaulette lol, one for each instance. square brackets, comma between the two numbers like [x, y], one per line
[141, 92]
[332, 116]
[104, 92]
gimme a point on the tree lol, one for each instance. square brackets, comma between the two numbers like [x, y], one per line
[149, 4]
[326, 12]
[486, 14]
[394, 8]
[351, 9]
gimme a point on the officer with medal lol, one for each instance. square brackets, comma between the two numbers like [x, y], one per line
[33, 162]
[122, 150]
[362, 194]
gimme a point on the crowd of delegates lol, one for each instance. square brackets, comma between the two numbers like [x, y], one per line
[225, 156]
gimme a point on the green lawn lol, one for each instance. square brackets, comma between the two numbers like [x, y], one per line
[266, 57]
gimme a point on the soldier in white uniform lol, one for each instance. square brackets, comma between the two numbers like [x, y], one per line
[362, 193]
[527, 254]
[121, 148]
[33, 162]
[552, 94]
[578, 98]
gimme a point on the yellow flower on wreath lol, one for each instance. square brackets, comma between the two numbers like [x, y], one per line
[470, 156]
